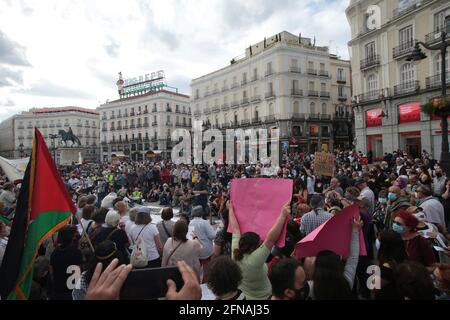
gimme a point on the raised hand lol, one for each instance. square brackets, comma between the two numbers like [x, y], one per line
[191, 289]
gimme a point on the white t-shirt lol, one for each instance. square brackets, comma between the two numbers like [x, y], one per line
[148, 234]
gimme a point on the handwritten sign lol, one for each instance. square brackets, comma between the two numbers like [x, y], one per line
[324, 164]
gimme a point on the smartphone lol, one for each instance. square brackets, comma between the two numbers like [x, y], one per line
[149, 283]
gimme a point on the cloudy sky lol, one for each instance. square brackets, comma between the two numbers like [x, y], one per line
[68, 52]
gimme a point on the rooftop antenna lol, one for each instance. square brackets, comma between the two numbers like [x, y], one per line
[299, 37]
[314, 41]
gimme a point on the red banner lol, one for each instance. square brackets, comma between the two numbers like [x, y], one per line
[373, 118]
[409, 112]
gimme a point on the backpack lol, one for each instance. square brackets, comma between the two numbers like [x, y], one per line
[139, 255]
[83, 244]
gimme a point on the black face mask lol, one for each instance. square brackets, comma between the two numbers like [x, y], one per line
[303, 293]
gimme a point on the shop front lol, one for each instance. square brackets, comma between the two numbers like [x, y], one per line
[374, 141]
[409, 127]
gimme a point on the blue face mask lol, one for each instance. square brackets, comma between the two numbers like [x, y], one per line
[398, 228]
[392, 196]
[382, 200]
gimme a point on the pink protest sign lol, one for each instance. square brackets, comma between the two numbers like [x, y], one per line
[257, 204]
[334, 235]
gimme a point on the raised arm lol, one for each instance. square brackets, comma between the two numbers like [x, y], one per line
[234, 223]
[352, 260]
[275, 231]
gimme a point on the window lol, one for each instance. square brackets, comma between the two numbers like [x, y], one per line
[407, 74]
[217, 121]
[311, 85]
[294, 63]
[341, 91]
[244, 94]
[270, 87]
[310, 65]
[225, 117]
[256, 113]
[312, 108]
[271, 110]
[296, 107]
[235, 117]
[322, 67]
[196, 94]
[245, 114]
[340, 74]
[372, 83]
[405, 36]
[439, 19]
[324, 108]
[438, 65]
[244, 77]
[294, 85]
[255, 73]
[269, 68]
[370, 50]
[323, 87]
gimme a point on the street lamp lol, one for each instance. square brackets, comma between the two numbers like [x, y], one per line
[416, 55]
[53, 137]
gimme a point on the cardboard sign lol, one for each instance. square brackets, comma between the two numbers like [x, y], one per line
[257, 204]
[324, 164]
[335, 234]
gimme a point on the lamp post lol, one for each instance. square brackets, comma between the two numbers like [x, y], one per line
[53, 137]
[416, 55]
[21, 149]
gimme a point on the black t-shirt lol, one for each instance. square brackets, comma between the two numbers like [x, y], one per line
[119, 237]
[60, 260]
[202, 199]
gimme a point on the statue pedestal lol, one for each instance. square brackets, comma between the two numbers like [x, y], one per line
[69, 155]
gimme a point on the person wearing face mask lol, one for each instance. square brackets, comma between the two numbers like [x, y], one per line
[438, 184]
[417, 247]
[288, 281]
[396, 202]
[433, 209]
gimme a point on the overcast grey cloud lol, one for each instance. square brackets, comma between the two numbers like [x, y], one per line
[46, 88]
[9, 77]
[80, 46]
[11, 52]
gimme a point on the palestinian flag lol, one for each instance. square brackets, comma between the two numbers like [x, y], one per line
[43, 207]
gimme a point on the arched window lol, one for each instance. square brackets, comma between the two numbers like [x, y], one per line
[407, 73]
[324, 108]
[312, 108]
[372, 83]
[296, 107]
[245, 114]
[235, 117]
[256, 113]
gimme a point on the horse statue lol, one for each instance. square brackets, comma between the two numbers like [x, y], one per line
[69, 136]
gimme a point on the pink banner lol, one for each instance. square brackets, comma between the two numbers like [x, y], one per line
[334, 234]
[257, 204]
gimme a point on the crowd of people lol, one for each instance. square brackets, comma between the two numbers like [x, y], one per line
[404, 206]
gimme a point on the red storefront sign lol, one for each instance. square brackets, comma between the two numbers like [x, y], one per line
[314, 130]
[373, 118]
[409, 112]
[410, 134]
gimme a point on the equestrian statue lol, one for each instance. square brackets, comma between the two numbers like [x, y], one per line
[69, 136]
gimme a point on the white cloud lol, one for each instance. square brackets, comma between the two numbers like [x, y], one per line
[80, 46]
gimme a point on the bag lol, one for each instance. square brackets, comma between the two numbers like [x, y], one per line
[84, 245]
[165, 229]
[139, 255]
[173, 251]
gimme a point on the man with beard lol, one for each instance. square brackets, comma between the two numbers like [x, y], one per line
[289, 281]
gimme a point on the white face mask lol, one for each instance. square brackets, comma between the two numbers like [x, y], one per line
[377, 244]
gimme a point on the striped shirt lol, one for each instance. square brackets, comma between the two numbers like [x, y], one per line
[313, 219]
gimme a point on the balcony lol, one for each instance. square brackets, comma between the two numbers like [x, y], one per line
[52, 126]
[234, 105]
[341, 79]
[168, 109]
[196, 97]
[254, 78]
[434, 38]
[370, 96]
[325, 117]
[215, 91]
[66, 125]
[314, 116]
[21, 137]
[406, 87]
[342, 97]
[154, 124]
[59, 125]
[197, 113]
[139, 125]
[313, 93]
[80, 135]
[104, 118]
[119, 116]
[20, 127]
[324, 94]
[178, 111]
[146, 125]
[434, 82]
[234, 85]
[245, 122]
[45, 126]
[125, 127]
[154, 110]
[224, 88]
[169, 123]
[132, 126]
[104, 129]
[207, 94]
[269, 95]
[298, 116]
[244, 102]
[270, 118]
[295, 70]
[323, 73]
[145, 111]
[119, 127]
[256, 99]
[370, 62]
[29, 126]
[297, 92]
[343, 115]
[112, 129]
[312, 71]
[29, 137]
[243, 83]
[403, 49]
[268, 73]
[256, 120]
[216, 109]
[225, 107]
[207, 111]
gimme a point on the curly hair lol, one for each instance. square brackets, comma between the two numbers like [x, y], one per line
[224, 276]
